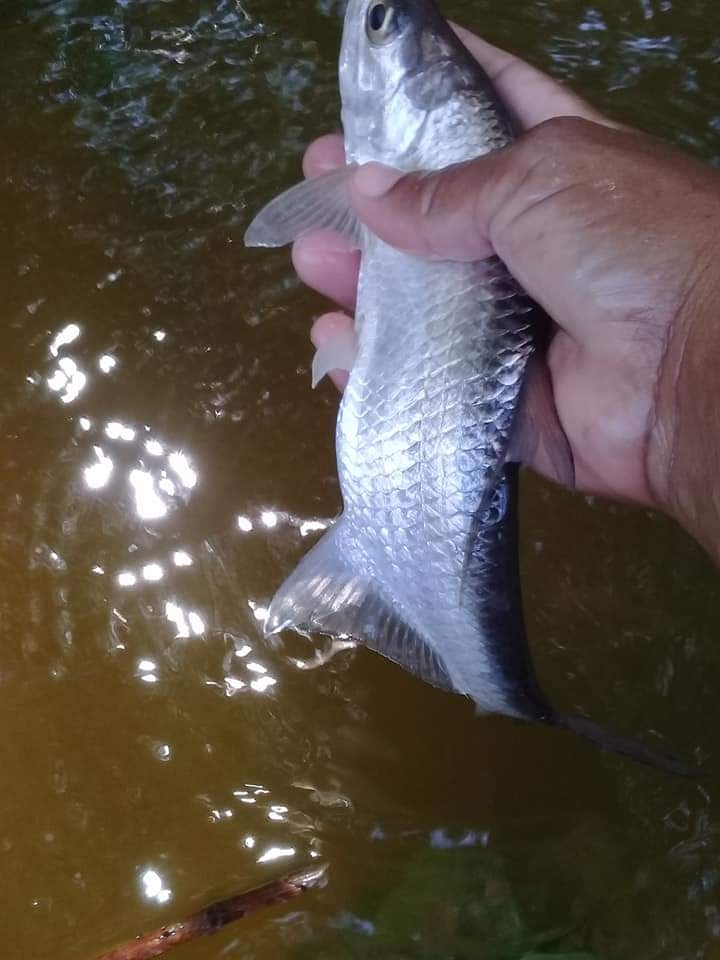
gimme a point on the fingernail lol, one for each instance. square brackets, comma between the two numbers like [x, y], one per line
[374, 180]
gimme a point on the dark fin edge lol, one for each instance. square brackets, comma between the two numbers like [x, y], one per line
[624, 746]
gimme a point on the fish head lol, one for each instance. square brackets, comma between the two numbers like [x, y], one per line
[412, 95]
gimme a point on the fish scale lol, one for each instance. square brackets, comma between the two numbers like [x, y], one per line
[422, 565]
[410, 443]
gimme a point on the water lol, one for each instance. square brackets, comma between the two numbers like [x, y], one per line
[163, 464]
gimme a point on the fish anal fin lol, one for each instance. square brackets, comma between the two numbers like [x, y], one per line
[388, 634]
[325, 595]
[320, 203]
[322, 594]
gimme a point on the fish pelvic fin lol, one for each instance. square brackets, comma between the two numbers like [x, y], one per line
[538, 436]
[329, 594]
[338, 352]
[624, 746]
[321, 203]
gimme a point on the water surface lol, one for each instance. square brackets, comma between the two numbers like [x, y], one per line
[163, 463]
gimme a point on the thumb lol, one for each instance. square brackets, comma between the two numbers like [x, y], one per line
[442, 215]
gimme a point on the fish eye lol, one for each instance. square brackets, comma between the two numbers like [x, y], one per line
[381, 22]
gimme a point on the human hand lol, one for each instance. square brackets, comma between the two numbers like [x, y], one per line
[616, 236]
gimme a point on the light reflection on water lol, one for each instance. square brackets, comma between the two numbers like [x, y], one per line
[153, 889]
[164, 465]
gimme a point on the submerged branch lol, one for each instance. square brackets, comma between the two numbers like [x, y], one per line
[217, 915]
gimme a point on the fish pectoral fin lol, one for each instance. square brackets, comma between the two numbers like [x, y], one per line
[338, 352]
[326, 595]
[538, 437]
[321, 203]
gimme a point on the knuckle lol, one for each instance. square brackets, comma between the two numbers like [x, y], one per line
[429, 193]
[564, 128]
[562, 147]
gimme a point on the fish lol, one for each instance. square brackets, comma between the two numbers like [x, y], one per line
[422, 564]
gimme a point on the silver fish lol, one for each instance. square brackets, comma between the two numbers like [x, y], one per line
[422, 565]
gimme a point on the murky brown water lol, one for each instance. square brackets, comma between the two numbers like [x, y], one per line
[163, 463]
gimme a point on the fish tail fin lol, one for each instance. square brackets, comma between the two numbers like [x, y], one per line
[624, 746]
[329, 593]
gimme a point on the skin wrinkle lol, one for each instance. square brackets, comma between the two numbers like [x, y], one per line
[428, 193]
[676, 381]
[505, 68]
[533, 141]
[444, 185]
[533, 206]
[505, 191]
[653, 421]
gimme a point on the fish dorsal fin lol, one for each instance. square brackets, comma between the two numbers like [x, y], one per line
[326, 595]
[321, 203]
[538, 437]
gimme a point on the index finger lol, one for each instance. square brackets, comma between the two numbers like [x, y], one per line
[531, 95]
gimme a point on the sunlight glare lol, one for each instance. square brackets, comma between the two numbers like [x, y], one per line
[98, 474]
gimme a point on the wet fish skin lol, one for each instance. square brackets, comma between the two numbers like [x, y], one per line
[422, 565]
[421, 441]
